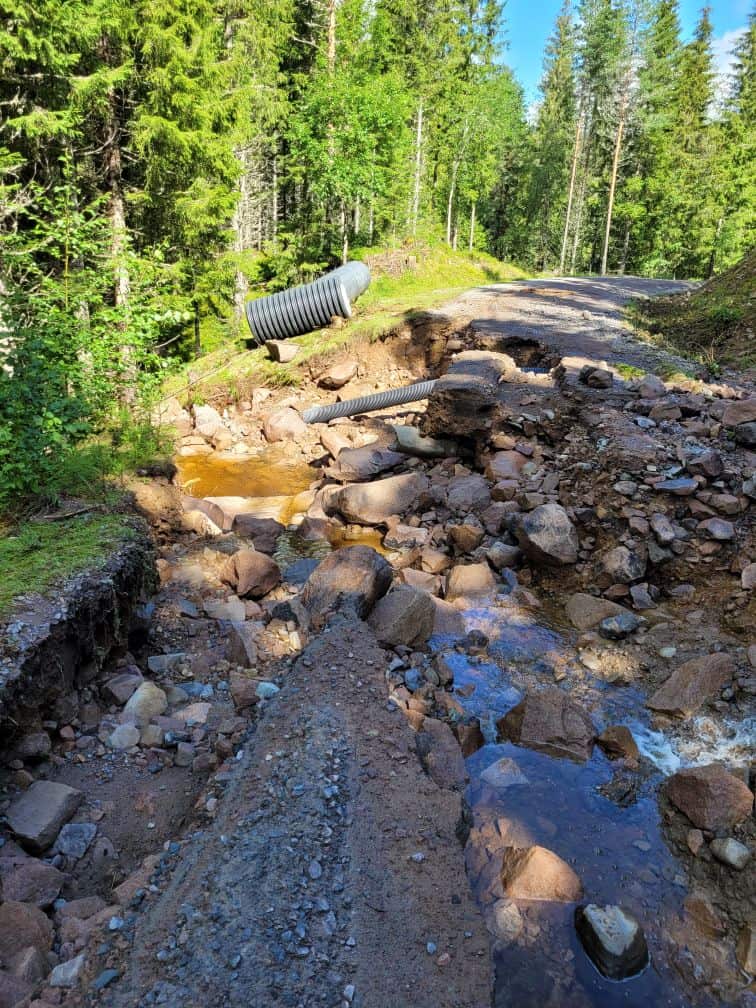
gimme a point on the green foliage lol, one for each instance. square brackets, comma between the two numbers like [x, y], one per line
[39, 554]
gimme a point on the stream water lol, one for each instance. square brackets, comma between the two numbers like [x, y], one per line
[603, 821]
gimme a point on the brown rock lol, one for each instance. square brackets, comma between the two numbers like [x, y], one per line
[535, 873]
[14, 991]
[740, 411]
[505, 465]
[283, 425]
[22, 926]
[469, 581]
[549, 722]
[441, 755]
[546, 535]
[586, 611]
[745, 950]
[374, 503]
[349, 579]
[263, 532]
[692, 684]
[709, 796]
[243, 691]
[251, 574]
[618, 743]
[469, 736]
[356, 465]
[338, 375]
[26, 880]
[404, 616]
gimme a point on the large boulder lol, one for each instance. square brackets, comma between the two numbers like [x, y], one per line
[692, 684]
[549, 722]
[404, 616]
[546, 535]
[536, 873]
[441, 755]
[374, 503]
[350, 580]
[36, 816]
[251, 574]
[613, 939]
[710, 797]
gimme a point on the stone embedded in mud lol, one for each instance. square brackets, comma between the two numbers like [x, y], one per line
[23, 926]
[692, 684]
[441, 755]
[618, 743]
[505, 465]
[547, 535]
[505, 921]
[338, 375]
[586, 611]
[706, 463]
[595, 377]
[74, 840]
[710, 797]
[404, 616]
[374, 503]
[613, 939]
[731, 852]
[251, 574]
[243, 691]
[620, 626]
[283, 425]
[549, 722]
[147, 702]
[717, 529]
[623, 565]
[536, 873]
[469, 581]
[36, 816]
[680, 487]
[263, 532]
[461, 405]
[468, 493]
[351, 579]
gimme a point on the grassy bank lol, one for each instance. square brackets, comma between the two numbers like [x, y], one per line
[37, 555]
[438, 275]
[713, 324]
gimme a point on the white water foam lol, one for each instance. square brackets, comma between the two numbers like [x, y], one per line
[706, 741]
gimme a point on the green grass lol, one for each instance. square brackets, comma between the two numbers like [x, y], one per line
[629, 371]
[440, 275]
[712, 324]
[39, 554]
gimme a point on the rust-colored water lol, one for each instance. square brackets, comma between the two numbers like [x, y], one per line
[268, 475]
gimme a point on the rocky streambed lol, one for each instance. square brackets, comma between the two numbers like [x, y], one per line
[521, 614]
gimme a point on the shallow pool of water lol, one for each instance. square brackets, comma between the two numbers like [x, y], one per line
[268, 475]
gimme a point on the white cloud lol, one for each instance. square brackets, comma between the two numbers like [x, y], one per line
[724, 61]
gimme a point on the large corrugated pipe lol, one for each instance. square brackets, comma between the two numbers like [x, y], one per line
[379, 400]
[310, 306]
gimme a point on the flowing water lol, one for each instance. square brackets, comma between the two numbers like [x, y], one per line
[603, 821]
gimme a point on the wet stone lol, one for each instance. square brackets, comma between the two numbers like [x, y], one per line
[613, 939]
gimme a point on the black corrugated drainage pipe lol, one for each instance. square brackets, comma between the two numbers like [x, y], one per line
[379, 400]
[310, 306]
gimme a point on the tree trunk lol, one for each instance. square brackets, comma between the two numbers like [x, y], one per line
[713, 256]
[613, 186]
[197, 339]
[450, 204]
[472, 226]
[418, 169]
[344, 234]
[357, 215]
[625, 248]
[371, 221]
[274, 208]
[578, 222]
[573, 172]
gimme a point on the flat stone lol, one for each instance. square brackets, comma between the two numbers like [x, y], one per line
[546, 535]
[620, 626]
[74, 839]
[613, 939]
[550, 722]
[536, 873]
[281, 351]
[505, 921]
[468, 493]
[67, 974]
[739, 411]
[717, 529]
[681, 487]
[26, 880]
[731, 852]
[374, 503]
[710, 797]
[36, 816]
[120, 688]
[263, 532]
[338, 375]
[232, 609]
[692, 684]
[241, 646]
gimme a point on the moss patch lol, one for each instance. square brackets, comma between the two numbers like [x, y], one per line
[37, 555]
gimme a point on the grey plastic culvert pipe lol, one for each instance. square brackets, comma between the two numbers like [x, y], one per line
[302, 309]
[364, 404]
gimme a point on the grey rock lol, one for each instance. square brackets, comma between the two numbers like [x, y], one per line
[124, 737]
[731, 852]
[67, 974]
[36, 816]
[404, 616]
[147, 701]
[619, 627]
[74, 839]
[624, 565]
[745, 434]
[547, 535]
[681, 487]
[613, 939]
[503, 774]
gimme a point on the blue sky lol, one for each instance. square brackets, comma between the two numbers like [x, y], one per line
[530, 22]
